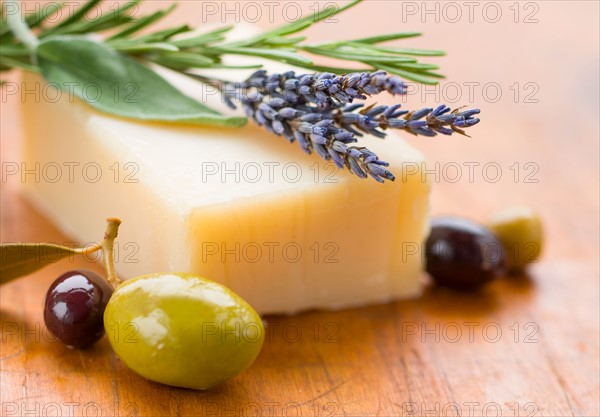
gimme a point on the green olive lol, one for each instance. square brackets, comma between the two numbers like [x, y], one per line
[521, 233]
[182, 330]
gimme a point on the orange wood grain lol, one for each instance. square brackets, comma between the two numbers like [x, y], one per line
[522, 346]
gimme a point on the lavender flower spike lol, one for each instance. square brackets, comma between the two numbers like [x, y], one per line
[317, 111]
[325, 89]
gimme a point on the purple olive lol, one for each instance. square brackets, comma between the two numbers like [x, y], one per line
[74, 307]
[462, 254]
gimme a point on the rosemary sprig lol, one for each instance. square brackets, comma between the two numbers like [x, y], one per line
[172, 48]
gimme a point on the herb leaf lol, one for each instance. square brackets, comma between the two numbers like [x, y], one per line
[19, 259]
[80, 64]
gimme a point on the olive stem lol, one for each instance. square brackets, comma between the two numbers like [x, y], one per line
[110, 235]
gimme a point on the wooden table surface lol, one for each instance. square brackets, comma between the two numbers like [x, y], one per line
[526, 346]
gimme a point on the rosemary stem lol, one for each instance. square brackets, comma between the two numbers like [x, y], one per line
[17, 25]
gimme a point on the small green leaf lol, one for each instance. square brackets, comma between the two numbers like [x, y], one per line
[13, 50]
[419, 77]
[103, 21]
[133, 47]
[163, 35]
[19, 259]
[80, 13]
[143, 22]
[276, 54]
[10, 62]
[183, 60]
[408, 51]
[385, 38]
[77, 63]
[35, 19]
[419, 66]
[296, 26]
[282, 40]
[212, 36]
[348, 54]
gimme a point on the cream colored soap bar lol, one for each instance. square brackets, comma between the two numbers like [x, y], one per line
[284, 230]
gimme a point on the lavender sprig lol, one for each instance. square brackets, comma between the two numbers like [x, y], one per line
[317, 111]
[426, 122]
[325, 90]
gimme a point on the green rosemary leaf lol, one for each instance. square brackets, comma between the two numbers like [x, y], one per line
[296, 26]
[163, 35]
[183, 60]
[385, 38]
[419, 66]
[78, 62]
[283, 41]
[143, 22]
[15, 63]
[105, 21]
[80, 13]
[134, 47]
[13, 50]
[225, 66]
[33, 20]
[335, 70]
[407, 51]
[433, 74]
[203, 39]
[409, 75]
[349, 54]
[19, 259]
[289, 29]
[275, 54]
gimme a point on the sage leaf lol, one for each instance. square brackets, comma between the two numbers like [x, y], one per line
[104, 78]
[19, 259]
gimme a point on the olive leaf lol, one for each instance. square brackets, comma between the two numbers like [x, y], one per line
[18, 259]
[117, 84]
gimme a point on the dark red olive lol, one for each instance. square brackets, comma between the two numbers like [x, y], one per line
[462, 254]
[74, 307]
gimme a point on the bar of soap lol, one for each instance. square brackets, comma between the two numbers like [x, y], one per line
[285, 230]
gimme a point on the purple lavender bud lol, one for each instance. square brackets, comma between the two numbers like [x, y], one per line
[355, 168]
[423, 131]
[344, 136]
[321, 151]
[290, 113]
[466, 122]
[420, 113]
[278, 127]
[444, 130]
[371, 89]
[441, 109]
[468, 113]
[311, 117]
[318, 139]
[415, 124]
[267, 111]
[276, 102]
[335, 156]
[391, 109]
[379, 171]
[302, 141]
